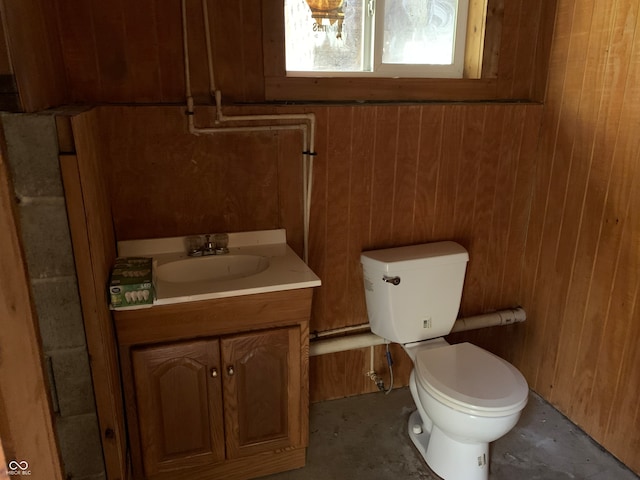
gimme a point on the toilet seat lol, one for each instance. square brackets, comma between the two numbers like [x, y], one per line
[471, 380]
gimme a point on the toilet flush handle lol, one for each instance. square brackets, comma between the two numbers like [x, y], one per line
[393, 280]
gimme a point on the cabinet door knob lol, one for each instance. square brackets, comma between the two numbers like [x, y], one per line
[214, 372]
[230, 370]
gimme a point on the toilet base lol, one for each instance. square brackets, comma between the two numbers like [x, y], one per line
[420, 440]
[449, 458]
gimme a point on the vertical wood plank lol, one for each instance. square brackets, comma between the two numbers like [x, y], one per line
[406, 174]
[474, 43]
[384, 174]
[492, 39]
[448, 173]
[26, 419]
[474, 119]
[289, 168]
[508, 49]
[95, 250]
[141, 43]
[170, 56]
[326, 377]
[362, 148]
[525, 189]
[226, 19]
[512, 132]
[543, 48]
[525, 66]
[252, 73]
[484, 191]
[273, 39]
[338, 160]
[113, 67]
[431, 137]
[511, 343]
[318, 220]
[33, 38]
[198, 70]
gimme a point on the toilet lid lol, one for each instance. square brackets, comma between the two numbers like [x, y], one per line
[472, 380]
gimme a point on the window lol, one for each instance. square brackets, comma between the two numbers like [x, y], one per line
[377, 38]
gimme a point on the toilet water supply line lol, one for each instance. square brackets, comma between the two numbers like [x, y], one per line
[305, 122]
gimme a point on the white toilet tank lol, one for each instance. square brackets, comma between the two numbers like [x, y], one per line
[413, 293]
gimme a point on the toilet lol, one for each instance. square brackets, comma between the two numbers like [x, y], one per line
[465, 396]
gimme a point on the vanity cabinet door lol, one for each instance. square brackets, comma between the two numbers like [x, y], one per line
[179, 402]
[262, 384]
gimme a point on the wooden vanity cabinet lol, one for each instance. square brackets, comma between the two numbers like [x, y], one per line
[259, 371]
[220, 399]
[179, 405]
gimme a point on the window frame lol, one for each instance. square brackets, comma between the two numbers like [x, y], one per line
[503, 74]
[373, 37]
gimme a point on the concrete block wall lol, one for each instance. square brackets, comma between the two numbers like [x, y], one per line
[33, 159]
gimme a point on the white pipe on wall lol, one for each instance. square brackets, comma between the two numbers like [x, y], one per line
[493, 319]
[306, 122]
[342, 344]
[352, 342]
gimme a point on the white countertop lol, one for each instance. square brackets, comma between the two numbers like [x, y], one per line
[286, 271]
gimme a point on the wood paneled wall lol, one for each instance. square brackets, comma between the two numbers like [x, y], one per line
[35, 54]
[166, 182]
[132, 51]
[384, 176]
[580, 347]
[398, 175]
[125, 52]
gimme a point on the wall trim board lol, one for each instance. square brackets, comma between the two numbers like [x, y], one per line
[94, 252]
[26, 422]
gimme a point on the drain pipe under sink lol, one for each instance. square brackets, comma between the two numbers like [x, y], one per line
[321, 346]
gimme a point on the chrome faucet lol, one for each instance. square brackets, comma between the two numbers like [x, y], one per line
[216, 247]
[208, 248]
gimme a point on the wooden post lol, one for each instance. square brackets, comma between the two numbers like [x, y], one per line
[26, 424]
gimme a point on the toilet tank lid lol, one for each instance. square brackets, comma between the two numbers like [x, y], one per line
[415, 256]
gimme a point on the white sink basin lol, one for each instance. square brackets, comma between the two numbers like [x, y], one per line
[258, 262]
[211, 268]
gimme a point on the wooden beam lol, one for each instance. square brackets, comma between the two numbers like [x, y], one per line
[94, 252]
[474, 48]
[26, 424]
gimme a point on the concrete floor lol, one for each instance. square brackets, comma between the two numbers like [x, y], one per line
[365, 437]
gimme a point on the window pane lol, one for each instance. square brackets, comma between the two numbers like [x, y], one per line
[327, 38]
[419, 31]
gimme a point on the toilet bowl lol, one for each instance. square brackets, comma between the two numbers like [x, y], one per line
[465, 396]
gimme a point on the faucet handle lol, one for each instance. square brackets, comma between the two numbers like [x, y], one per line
[193, 245]
[222, 241]
[207, 243]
